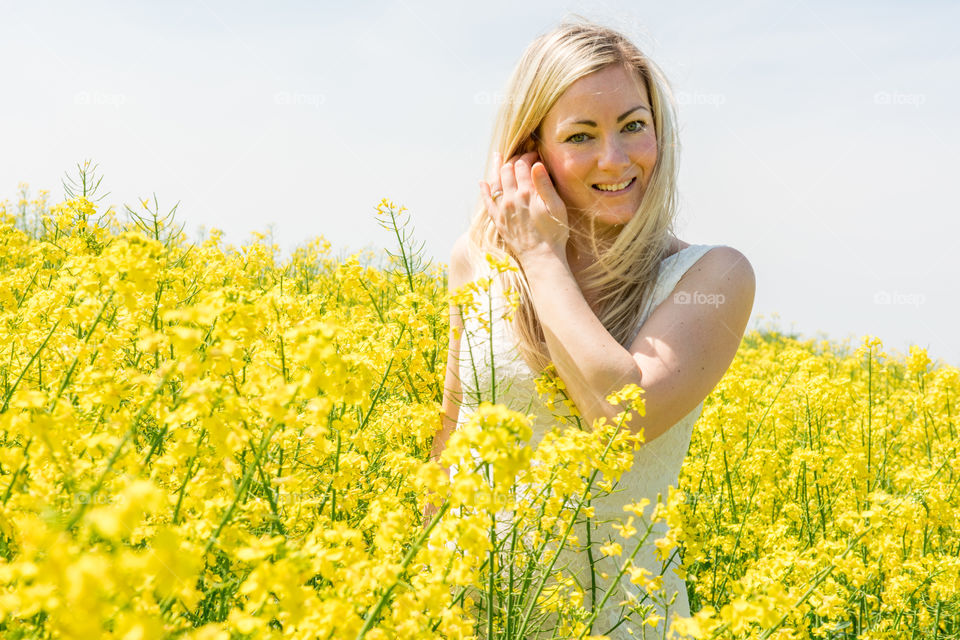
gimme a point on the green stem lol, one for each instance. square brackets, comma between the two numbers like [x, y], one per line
[613, 584]
[6, 401]
[373, 614]
[491, 574]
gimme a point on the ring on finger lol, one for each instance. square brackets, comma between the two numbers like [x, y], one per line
[496, 194]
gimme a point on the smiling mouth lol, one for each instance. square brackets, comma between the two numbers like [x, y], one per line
[615, 188]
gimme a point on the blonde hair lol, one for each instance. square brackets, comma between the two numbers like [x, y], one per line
[627, 268]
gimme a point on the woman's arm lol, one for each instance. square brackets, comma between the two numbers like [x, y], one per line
[681, 352]
[588, 359]
[457, 275]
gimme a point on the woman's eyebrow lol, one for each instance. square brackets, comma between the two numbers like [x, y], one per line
[591, 123]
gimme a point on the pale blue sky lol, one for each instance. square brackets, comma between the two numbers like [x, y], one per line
[817, 137]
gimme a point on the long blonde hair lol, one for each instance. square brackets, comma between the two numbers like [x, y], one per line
[627, 268]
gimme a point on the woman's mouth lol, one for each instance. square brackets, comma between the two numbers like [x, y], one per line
[615, 189]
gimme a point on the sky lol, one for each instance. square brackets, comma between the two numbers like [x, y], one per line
[818, 138]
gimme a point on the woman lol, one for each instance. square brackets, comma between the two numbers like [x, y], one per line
[584, 206]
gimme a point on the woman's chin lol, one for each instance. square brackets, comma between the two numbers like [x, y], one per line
[613, 217]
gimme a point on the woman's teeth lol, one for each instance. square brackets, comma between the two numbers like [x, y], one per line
[614, 187]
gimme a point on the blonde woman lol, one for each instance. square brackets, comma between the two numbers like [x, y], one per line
[582, 198]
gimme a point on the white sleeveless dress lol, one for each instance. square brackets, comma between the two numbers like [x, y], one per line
[656, 464]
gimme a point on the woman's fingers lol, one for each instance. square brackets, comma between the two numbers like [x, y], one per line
[508, 179]
[545, 189]
[515, 173]
[528, 199]
[488, 203]
[485, 193]
[522, 172]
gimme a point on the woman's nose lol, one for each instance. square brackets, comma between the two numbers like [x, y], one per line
[613, 155]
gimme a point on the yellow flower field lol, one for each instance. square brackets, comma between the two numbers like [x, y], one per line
[205, 441]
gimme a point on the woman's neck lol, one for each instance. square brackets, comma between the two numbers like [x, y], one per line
[581, 252]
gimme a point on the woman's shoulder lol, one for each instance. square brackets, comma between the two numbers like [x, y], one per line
[722, 267]
[713, 253]
[711, 266]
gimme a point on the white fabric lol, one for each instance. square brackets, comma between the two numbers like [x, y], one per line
[656, 465]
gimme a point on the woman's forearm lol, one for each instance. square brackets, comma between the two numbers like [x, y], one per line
[591, 363]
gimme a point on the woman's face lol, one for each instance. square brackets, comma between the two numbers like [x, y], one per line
[599, 145]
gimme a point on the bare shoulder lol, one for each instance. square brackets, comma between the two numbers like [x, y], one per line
[716, 295]
[724, 270]
[460, 271]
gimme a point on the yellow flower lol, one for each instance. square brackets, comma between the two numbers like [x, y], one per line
[637, 507]
[643, 577]
[502, 264]
[626, 530]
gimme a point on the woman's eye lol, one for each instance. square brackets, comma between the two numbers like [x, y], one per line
[635, 126]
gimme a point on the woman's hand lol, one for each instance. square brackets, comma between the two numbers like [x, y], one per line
[530, 215]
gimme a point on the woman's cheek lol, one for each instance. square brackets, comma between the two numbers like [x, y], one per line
[566, 173]
[571, 174]
[568, 185]
[647, 150]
